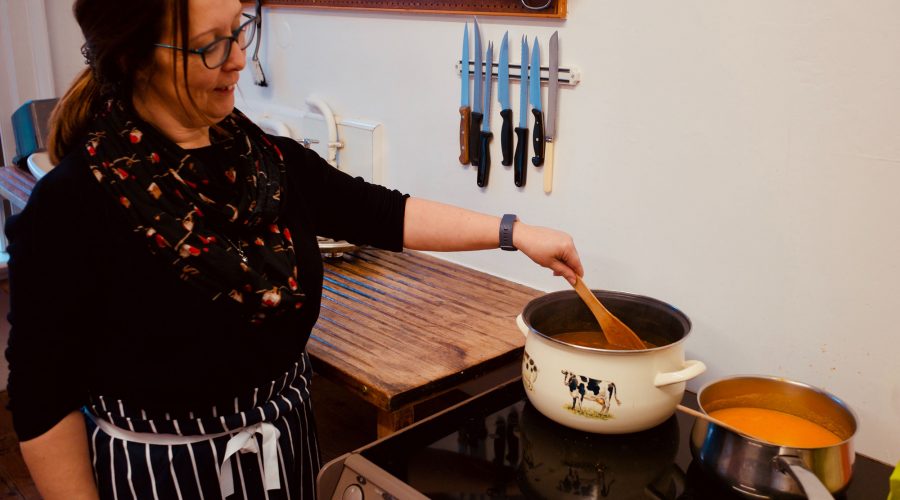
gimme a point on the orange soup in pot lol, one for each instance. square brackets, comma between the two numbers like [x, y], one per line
[777, 427]
[593, 339]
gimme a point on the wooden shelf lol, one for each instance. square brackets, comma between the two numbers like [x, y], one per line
[556, 8]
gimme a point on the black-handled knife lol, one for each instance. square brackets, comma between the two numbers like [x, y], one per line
[484, 164]
[520, 168]
[520, 162]
[538, 139]
[506, 130]
[474, 139]
[484, 148]
[506, 135]
[478, 101]
[534, 95]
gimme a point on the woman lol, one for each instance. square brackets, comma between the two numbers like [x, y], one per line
[174, 247]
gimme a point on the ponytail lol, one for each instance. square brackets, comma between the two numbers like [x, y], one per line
[70, 117]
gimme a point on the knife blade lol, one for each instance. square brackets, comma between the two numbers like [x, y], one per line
[506, 130]
[465, 111]
[475, 126]
[550, 122]
[484, 160]
[520, 169]
[534, 95]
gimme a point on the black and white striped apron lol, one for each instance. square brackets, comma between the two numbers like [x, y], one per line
[265, 437]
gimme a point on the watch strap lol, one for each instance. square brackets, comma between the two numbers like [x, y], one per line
[506, 232]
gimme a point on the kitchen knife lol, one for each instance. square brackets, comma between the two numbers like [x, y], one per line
[534, 95]
[484, 160]
[477, 102]
[465, 111]
[520, 169]
[506, 130]
[550, 122]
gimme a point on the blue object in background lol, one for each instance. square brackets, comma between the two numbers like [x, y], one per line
[31, 127]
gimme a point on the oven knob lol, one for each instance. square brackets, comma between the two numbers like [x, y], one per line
[353, 492]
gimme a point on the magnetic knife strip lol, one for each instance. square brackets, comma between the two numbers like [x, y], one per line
[567, 76]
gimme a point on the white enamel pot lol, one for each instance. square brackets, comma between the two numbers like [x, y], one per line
[600, 390]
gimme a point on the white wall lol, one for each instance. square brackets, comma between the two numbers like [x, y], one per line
[24, 62]
[65, 43]
[737, 159]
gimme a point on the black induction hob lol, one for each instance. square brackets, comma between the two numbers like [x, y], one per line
[497, 446]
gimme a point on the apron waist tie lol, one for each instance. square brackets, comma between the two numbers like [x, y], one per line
[242, 440]
[245, 442]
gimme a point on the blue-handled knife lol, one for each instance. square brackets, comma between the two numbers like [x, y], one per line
[477, 102]
[506, 131]
[534, 95]
[520, 168]
[465, 111]
[484, 165]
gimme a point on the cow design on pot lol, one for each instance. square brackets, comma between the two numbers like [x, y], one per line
[652, 379]
[602, 392]
[529, 371]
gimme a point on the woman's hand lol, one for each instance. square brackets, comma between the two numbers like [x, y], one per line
[550, 248]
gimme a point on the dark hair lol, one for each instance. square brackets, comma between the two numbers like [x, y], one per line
[119, 42]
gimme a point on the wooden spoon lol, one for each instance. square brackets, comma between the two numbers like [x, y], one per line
[616, 332]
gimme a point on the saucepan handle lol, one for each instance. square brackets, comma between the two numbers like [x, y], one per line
[522, 326]
[812, 486]
[691, 369]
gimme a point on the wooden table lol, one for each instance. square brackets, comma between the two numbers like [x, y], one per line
[15, 188]
[400, 328]
[396, 329]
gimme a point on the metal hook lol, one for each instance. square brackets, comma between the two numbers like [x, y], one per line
[541, 7]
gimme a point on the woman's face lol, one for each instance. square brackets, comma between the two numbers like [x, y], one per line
[212, 89]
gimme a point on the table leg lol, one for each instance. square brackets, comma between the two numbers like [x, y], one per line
[5, 213]
[390, 422]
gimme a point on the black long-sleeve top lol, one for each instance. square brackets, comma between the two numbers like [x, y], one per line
[92, 311]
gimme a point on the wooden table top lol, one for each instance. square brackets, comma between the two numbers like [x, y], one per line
[15, 185]
[398, 328]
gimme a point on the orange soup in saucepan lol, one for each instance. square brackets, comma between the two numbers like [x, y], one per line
[777, 427]
[593, 339]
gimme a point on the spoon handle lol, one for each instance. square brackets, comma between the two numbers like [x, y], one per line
[616, 332]
[703, 416]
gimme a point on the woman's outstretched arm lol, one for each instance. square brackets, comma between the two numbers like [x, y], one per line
[433, 226]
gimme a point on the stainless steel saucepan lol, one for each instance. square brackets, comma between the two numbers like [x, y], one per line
[759, 469]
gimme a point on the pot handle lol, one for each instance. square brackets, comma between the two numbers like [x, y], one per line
[691, 369]
[522, 326]
[810, 483]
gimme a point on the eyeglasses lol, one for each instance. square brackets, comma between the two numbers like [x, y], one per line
[215, 53]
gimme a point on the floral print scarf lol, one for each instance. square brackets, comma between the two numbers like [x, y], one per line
[216, 225]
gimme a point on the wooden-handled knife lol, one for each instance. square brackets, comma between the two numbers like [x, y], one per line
[465, 111]
[552, 106]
